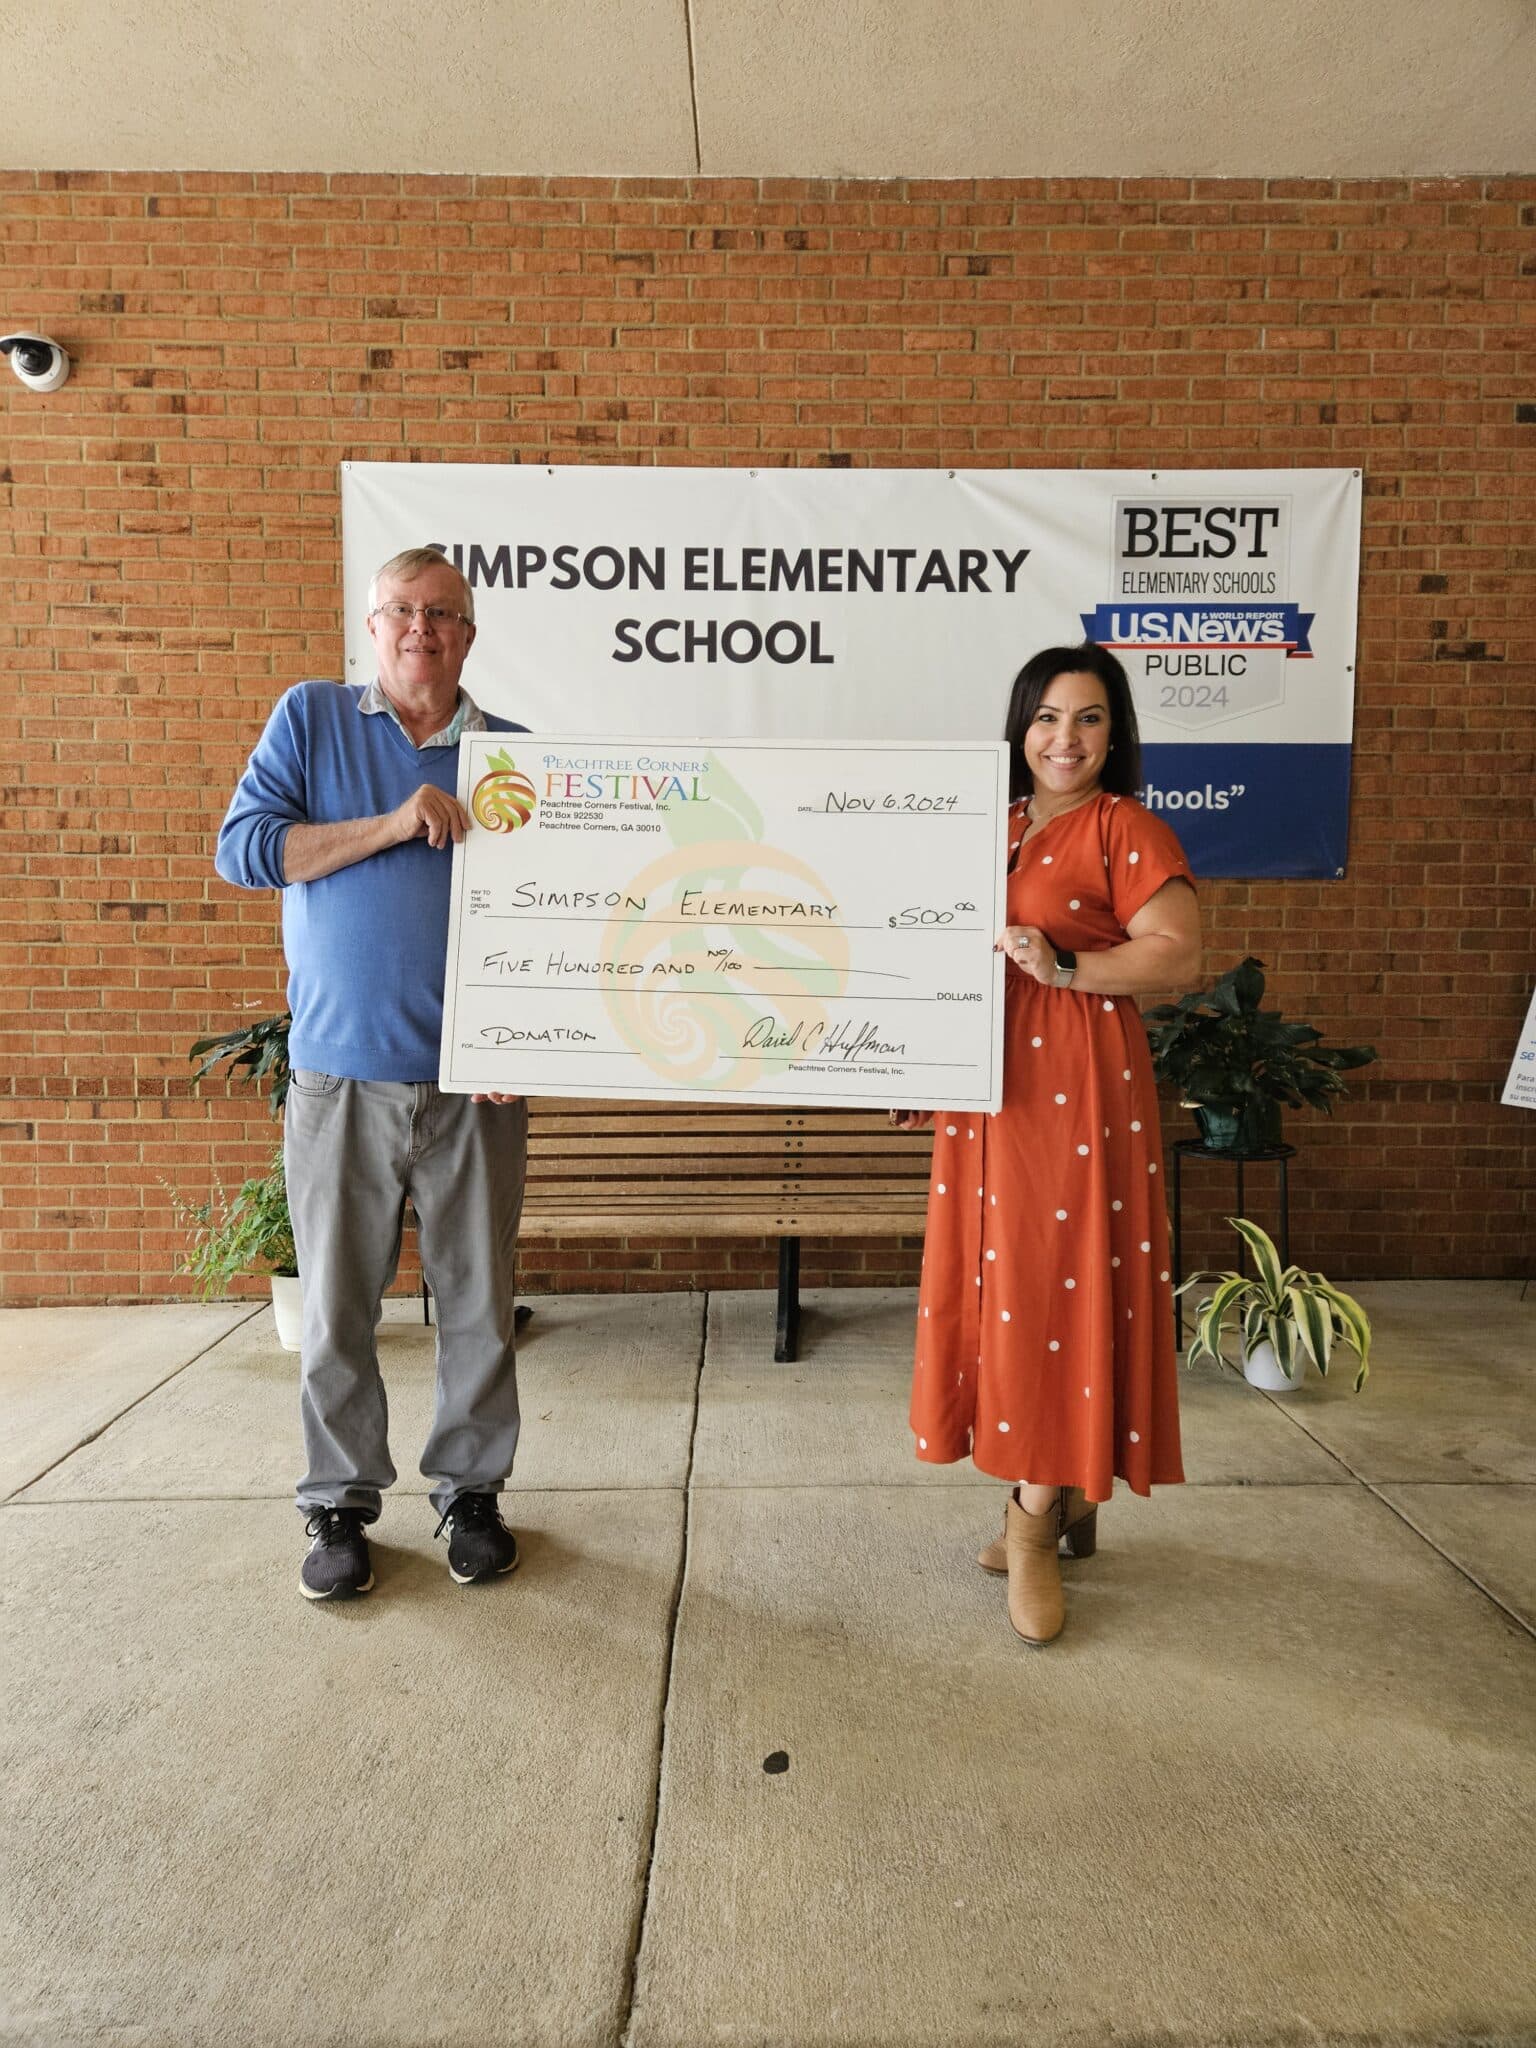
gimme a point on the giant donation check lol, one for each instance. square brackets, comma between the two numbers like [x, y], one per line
[752, 921]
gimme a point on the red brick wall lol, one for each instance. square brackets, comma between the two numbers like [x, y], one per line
[175, 562]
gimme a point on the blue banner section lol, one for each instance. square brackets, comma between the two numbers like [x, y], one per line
[1201, 625]
[1254, 810]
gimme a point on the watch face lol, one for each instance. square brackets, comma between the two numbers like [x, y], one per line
[1066, 962]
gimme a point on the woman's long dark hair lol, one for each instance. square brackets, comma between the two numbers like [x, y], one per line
[1122, 768]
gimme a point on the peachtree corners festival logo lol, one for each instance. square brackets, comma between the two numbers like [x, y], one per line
[503, 798]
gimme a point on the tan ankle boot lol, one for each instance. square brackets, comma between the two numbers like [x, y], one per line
[1079, 1532]
[1035, 1605]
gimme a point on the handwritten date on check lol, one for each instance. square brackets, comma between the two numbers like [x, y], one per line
[745, 921]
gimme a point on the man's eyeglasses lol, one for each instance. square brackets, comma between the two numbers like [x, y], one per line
[435, 614]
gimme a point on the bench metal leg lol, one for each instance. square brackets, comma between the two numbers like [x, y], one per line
[786, 1345]
[522, 1315]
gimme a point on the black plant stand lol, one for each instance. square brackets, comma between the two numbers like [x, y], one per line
[786, 1342]
[1196, 1148]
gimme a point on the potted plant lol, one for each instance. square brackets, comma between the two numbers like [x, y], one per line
[258, 1213]
[1235, 1063]
[247, 1232]
[1286, 1316]
[256, 1051]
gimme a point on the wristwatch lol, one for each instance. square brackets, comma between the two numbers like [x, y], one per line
[1066, 967]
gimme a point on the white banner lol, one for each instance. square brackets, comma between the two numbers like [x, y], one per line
[899, 604]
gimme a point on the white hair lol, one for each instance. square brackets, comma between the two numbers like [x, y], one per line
[413, 562]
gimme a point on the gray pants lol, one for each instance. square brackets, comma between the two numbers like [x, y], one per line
[353, 1151]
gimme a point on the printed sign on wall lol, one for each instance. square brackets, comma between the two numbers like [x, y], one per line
[900, 604]
[1520, 1084]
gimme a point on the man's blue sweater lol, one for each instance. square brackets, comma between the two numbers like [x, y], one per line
[367, 945]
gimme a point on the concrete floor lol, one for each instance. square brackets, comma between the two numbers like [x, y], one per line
[1273, 1785]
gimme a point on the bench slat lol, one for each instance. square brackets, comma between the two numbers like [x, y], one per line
[790, 1221]
[596, 1143]
[655, 1194]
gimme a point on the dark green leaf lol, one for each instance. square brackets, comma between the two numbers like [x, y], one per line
[1248, 983]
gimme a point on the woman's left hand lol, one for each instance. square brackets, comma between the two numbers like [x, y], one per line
[1027, 947]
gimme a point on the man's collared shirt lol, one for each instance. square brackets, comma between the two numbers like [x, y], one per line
[467, 716]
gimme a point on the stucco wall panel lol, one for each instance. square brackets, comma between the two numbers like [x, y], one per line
[914, 88]
[1123, 87]
[351, 85]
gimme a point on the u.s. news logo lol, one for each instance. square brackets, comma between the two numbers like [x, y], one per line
[1271, 628]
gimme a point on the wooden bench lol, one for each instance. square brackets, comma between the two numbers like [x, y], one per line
[607, 1169]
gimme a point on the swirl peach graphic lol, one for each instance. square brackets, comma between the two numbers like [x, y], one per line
[503, 800]
[682, 1041]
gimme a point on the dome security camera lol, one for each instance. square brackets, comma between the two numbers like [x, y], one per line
[40, 363]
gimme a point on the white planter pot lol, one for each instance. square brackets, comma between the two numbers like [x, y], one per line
[1261, 1368]
[288, 1309]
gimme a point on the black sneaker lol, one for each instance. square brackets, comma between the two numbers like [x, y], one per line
[481, 1545]
[338, 1566]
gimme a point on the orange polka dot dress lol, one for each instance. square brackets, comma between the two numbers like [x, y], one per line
[1045, 1348]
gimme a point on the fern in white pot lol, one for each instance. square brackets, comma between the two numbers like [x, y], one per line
[248, 1231]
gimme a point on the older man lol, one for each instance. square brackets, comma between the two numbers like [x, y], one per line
[347, 805]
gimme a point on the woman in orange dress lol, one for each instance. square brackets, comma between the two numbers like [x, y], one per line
[1045, 1341]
